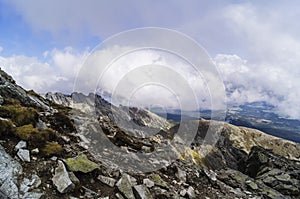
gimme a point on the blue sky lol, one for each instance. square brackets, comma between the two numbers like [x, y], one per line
[255, 44]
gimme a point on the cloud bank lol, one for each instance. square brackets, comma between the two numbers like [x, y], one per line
[256, 46]
[244, 81]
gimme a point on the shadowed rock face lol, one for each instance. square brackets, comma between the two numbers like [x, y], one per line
[223, 161]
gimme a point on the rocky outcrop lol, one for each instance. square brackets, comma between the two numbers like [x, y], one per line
[276, 171]
[121, 116]
[9, 90]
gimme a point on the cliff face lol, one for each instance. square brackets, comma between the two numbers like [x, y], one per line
[47, 150]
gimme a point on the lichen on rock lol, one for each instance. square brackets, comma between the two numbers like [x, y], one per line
[81, 163]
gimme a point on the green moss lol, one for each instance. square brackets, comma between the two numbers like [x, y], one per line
[81, 163]
[6, 127]
[52, 148]
[19, 115]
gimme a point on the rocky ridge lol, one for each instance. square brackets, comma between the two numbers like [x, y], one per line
[44, 154]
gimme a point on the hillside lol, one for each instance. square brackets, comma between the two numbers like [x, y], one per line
[68, 146]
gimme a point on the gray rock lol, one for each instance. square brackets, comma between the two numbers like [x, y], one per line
[28, 184]
[53, 158]
[125, 186]
[191, 192]
[3, 196]
[73, 178]
[9, 172]
[32, 195]
[119, 196]
[9, 89]
[252, 185]
[211, 175]
[112, 172]
[149, 183]
[1, 100]
[35, 151]
[24, 155]
[21, 145]
[89, 193]
[61, 179]
[9, 189]
[41, 125]
[182, 192]
[158, 180]
[107, 180]
[141, 192]
[181, 175]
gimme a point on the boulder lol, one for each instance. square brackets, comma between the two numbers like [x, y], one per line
[61, 179]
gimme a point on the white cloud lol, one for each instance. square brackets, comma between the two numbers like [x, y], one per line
[271, 72]
[1, 49]
[166, 80]
[246, 82]
[144, 77]
[55, 74]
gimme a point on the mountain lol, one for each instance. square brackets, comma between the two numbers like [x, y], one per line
[256, 115]
[71, 146]
[262, 116]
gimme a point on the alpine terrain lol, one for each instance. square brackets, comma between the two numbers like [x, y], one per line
[48, 149]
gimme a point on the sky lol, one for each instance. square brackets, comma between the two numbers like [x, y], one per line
[254, 44]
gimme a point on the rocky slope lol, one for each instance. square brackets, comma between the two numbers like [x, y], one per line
[45, 152]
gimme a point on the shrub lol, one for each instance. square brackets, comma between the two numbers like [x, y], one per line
[35, 137]
[27, 132]
[19, 115]
[11, 101]
[6, 127]
[61, 122]
[52, 148]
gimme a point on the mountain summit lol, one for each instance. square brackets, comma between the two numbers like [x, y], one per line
[55, 146]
